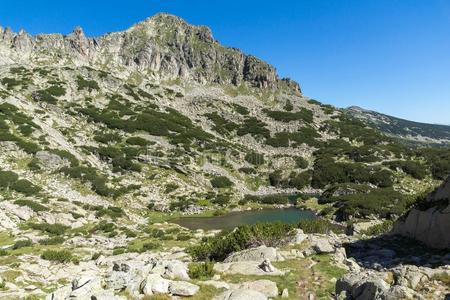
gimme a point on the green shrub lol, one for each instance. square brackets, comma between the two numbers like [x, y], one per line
[184, 237]
[26, 130]
[44, 96]
[118, 251]
[53, 229]
[221, 124]
[135, 140]
[255, 158]
[62, 256]
[36, 207]
[7, 178]
[217, 248]
[111, 211]
[150, 246]
[254, 127]
[382, 202]
[104, 227]
[415, 169]
[106, 138]
[25, 187]
[240, 109]
[221, 182]
[221, 199]
[84, 84]
[301, 163]
[56, 90]
[301, 180]
[201, 271]
[57, 240]
[3, 252]
[22, 244]
[283, 116]
[267, 199]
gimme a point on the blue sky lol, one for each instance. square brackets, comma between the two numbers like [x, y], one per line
[391, 56]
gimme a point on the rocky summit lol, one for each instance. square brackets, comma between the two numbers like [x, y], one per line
[108, 143]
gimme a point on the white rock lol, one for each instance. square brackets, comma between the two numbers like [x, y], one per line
[255, 254]
[266, 287]
[154, 283]
[241, 294]
[182, 288]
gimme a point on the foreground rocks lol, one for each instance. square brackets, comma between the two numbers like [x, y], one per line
[406, 282]
[144, 276]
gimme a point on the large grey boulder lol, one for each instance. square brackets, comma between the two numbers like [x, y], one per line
[51, 160]
[155, 284]
[362, 286]
[173, 269]
[322, 245]
[84, 287]
[255, 254]
[246, 268]
[264, 286]
[182, 288]
[430, 221]
[241, 294]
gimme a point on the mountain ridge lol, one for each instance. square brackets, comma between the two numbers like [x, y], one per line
[164, 45]
[406, 130]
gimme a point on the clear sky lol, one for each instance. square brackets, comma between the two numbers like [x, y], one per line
[392, 56]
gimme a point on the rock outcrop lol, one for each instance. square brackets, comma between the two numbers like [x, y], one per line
[164, 47]
[429, 221]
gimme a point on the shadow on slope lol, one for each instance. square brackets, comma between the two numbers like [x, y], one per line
[389, 251]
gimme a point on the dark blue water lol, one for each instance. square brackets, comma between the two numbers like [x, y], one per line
[234, 219]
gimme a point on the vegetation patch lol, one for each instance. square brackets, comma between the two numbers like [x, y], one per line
[221, 182]
[62, 256]
[217, 248]
[36, 207]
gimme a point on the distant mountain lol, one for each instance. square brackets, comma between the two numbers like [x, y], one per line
[409, 131]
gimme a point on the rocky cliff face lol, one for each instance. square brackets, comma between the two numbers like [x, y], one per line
[429, 222]
[164, 47]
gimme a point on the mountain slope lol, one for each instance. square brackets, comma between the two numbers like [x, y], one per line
[104, 138]
[409, 131]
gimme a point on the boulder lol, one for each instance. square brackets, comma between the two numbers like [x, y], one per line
[51, 160]
[371, 289]
[241, 294]
[182, 288]
[255, 254]
[322, 245]
[172, 269]
[266, 287]
[299, 237]
[245, 268]
[155, 284]
[117, 280]
[84, 287]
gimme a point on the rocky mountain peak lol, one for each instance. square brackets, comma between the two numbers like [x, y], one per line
[164, 47]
